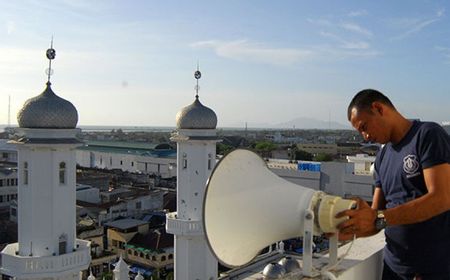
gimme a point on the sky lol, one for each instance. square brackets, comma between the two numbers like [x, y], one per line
[262, 62]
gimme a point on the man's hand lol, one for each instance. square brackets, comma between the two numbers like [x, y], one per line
[361, 222]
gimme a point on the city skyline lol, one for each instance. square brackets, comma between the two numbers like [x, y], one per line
[262, 63]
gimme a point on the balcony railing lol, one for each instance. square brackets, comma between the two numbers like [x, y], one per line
[20, 266]
[183, 227]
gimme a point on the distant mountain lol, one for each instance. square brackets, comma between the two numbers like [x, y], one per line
[309, 123]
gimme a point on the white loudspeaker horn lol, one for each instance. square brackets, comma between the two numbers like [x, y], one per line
[247, 208]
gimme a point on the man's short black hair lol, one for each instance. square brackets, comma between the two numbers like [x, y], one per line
[363, 100]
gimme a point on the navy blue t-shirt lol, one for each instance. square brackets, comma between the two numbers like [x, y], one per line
[421, 247]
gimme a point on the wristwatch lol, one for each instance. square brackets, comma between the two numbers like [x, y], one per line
[380, 221]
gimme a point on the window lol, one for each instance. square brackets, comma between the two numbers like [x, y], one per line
[1, 198]
[132, 164]
[62, 244]
[121, 162]
[170, 256]
[209, 161]
[1, 183]
[62, 173]
[163, 258]
[25, 173]
[139, 205]
[110, 160]
[184, 161]
[8, 182]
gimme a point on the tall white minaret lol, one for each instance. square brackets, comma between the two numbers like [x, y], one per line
[196, 154]
[47, 247]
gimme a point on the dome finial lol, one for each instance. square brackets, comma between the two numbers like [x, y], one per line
[51, 53]
[197, 76]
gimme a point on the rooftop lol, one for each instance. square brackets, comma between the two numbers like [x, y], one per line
[125, 223]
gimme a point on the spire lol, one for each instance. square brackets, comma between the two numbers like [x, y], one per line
[139, 276]
[121, 271]
[51, 53]
[197, 76]
[91, 276]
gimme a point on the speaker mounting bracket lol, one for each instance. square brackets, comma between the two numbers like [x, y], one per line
[308, 230]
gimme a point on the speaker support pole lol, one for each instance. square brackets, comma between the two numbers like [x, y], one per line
[333, 249]
[308, 227]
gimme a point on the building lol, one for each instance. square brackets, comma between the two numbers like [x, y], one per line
[47, 246]
[196, 156]
[8, 152]
[337, 178]
[132, 157]
[8, 185]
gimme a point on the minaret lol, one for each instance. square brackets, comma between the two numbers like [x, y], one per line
[196, 154]
[47, 247]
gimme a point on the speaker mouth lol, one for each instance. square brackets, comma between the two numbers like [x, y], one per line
[204, 218]
[240, 179]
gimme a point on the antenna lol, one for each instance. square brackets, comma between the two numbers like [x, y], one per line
[9, 110]
[51, 53]
[197, 76]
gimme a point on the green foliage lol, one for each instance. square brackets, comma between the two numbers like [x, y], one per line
[303, 155]
[223, 149]
[323, 157]
[107, 276]
[265, 146]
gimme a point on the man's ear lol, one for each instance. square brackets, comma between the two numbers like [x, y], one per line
[377, 107]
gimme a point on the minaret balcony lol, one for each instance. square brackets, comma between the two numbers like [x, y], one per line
[24, 267]
[183, 227]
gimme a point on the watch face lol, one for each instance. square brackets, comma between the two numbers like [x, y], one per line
[380, 223]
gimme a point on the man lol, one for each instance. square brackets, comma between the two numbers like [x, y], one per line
[412, 195]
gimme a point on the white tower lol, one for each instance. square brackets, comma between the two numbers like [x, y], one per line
[47, 247]
[196, 153]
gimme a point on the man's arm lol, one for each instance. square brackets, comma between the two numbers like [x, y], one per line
[435, 202]
[378, 200]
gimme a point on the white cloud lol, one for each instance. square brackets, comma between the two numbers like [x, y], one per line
[357, 29]
[346, 44]
[243, 50]
[416, 25]
[357, 13]
[10, 27]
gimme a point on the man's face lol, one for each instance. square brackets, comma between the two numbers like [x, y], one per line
[370, 124]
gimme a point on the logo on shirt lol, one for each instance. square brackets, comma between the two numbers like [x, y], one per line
[411, 166]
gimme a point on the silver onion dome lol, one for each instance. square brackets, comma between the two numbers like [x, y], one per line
[289, 264]
[47, 110]
[196, 116]
[273, 271]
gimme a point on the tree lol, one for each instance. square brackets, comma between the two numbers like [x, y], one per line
[264, 148]
[323, 157]
[303, 155]
[222, 149]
